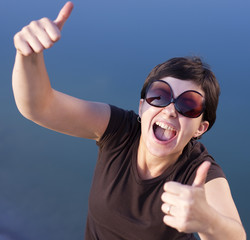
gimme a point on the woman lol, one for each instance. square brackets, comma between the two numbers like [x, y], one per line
[153, 180]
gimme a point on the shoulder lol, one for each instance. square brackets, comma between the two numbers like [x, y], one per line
[122, 125]
[194, 154]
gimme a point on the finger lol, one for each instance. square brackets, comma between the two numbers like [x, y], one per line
[170, 198]
[171, 221]
[172, 187]
[48, 32]
[201, 174]
[175, 188]
[27, 40]
[64, 15]
[22, 46]
[35, 45]
[176, 223]
[53, 32]
[167, 209]
[45, 40]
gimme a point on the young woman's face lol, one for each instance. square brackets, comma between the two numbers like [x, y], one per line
[165, 132]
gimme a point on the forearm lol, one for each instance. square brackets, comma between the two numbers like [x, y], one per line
[31, 85]
[221, 228]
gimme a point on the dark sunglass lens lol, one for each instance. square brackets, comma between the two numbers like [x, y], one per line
[158, 94]
[190, 104]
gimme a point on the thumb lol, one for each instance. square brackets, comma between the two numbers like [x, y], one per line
[201, 174]
[64, 14]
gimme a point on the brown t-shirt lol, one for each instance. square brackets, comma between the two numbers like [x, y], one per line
[121, 204]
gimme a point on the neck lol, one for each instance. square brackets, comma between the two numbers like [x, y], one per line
[150, 166]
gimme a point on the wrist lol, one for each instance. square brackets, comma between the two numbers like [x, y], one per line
[220, 227]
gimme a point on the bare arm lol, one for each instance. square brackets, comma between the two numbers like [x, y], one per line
[35, 98]
[224, 221]
[204, 208]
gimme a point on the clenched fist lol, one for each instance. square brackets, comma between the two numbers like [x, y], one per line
[41, 34]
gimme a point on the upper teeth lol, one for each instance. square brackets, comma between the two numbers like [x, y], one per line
[165, 126]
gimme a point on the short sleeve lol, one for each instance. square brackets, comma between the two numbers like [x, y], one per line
[122, 127]
[215, 171]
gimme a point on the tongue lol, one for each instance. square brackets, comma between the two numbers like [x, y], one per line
[162, 134]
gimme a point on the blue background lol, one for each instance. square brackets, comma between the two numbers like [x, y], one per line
[106, 51]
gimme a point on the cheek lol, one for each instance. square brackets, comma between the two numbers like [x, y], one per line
[143, 106]
[147, 116]
[148, 112]
[189, 126]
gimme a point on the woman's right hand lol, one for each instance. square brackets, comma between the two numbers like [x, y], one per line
[41, 34]
[34, 96]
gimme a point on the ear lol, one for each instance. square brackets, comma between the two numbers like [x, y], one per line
[202, 128]
[140, 107]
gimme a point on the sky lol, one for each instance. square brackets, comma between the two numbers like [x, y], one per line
[106, 51]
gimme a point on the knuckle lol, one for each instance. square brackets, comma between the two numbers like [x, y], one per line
[48, 44]
[182, 227]
[56, 37]
[17, 38]
[165, 186]
[164, 207]
[26, 53]
[25, 30]
[33, 24]
[165, 220]
[164, 196]
[39, 49]
[45, 20]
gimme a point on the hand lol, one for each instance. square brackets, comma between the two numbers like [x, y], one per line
[185, 206]
[41, 34]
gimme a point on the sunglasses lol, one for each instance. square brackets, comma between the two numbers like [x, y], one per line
[190, 103]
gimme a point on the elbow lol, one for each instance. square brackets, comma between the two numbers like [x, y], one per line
[29, 111]
[244, 234]
[25, 112]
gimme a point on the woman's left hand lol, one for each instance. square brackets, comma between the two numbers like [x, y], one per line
[185, 207]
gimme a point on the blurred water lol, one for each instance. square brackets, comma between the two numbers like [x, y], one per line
[45, 176]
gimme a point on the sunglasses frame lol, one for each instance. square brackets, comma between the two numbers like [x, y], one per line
[174, 100]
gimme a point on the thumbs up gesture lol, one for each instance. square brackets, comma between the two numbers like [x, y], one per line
[41, 34]
[185, 207]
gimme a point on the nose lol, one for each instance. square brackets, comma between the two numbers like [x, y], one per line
[170, 110]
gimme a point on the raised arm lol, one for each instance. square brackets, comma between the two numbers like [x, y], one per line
[35, 98]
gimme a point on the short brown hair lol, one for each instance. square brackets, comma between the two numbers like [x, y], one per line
[190, 68]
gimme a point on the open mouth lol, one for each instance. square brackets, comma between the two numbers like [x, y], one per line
[163, 132]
